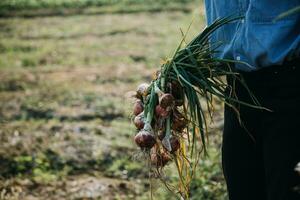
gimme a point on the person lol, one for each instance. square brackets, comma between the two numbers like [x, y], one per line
[259, 155]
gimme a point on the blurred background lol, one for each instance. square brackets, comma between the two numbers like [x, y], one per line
[65, 69]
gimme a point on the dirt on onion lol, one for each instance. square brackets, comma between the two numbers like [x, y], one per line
[175, 144]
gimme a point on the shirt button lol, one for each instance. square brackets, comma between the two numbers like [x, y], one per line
[242, 21]
[238, 58]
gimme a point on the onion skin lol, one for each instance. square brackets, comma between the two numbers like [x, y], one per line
[167, 101]
[161, 112]
[177, 114]
[159, 158]
[175, 144]
[179, 122]
[177, 91]
[160, 127]
[142, 90]
[144, 139]
[139, 121]
[179, 126]
[138, 107]
[161, 134]
[159, 124]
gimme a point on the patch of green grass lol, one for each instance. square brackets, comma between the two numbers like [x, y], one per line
[34, 4]
[64, 7]
[125, 167]
[43, 167]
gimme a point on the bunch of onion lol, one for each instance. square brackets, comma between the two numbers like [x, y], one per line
[168, 112]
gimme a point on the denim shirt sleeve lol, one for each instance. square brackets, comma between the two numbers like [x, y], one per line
[257, 39]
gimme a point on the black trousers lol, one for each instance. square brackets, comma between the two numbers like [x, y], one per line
[259, 156]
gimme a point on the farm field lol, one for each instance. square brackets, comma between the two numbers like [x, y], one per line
[65, 126]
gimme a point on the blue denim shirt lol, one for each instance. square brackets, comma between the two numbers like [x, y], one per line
[257, 39]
